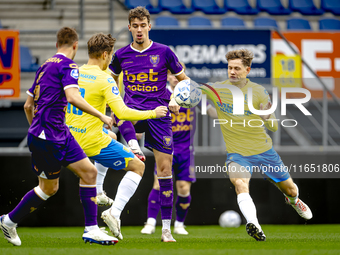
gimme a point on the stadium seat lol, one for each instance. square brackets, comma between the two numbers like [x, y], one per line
[232, 22]
[240, 7]
[166, 21]
[265, 22]
[27, 62]
[207, 6]
[332, 6]
[305, 7]
[273, 7]
[298, 24]
[329, 24]
[130, 4]
[199, 22]
[174, 6]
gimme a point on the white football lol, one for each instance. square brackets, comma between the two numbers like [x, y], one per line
[187, 94]
[230, 219]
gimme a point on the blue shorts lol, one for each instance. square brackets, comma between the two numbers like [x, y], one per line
[105, 131]
[183, 166]
[268, 162]
[115, 156]
[48, 157]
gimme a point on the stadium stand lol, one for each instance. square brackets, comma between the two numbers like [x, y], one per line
[332, 6]
[166, 21]
[232, 22]
[175, 6]
[130, 4]
[273, 7]
[240, 7]
[207, 6]
[298, 24]
[329, 24]
[199, 22]
[305, 7]
[27, 62]
[264, 22]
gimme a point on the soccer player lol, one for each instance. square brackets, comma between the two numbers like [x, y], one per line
[98, 88]
[183, 128]
[51, 143]
[250, 146]
[145, 64]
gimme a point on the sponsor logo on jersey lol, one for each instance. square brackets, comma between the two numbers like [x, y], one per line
[167, 140]
[75, 73]
[154, 59]
[115, 90]
[110, 80]
[88, 76]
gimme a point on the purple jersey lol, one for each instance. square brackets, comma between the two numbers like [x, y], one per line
[52, 78]
[145, 74]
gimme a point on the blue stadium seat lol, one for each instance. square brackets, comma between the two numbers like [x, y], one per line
[207, 6]
[329, 24]
[174, 6]
[27, 62]
[166, 21]
[273, 7]
[265, 22]
[232, 22]
[134, 3]
[199, 22]
[305, 7]
[240, 7]
[332, 6]
[298, 24]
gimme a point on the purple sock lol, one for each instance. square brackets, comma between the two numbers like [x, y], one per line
[29, 203]
[166, 198]
[127, 130]
[182, 207]
[153, 204]
[87, 197]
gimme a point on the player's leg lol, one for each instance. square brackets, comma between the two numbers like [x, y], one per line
[182, 205]
[153, 208]
[240, 178]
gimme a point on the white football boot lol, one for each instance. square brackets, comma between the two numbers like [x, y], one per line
[103, 199]
[112, 223]
[99, 236]
[148, 229]
[180, 231]
[10, 233]
[302, 209]
[167, 237]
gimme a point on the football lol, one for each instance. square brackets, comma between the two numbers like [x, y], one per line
[230, 219]
[187, 94]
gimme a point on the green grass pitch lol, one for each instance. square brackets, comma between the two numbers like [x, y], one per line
[281, 239]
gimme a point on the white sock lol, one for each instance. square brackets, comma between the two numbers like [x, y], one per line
[8, 222]
[100, 176]
[166, 224]
[293, 200]
[126, 189]
[133, 144]
[178, 224]
[151, 221]
[93, 227]
[248, 209]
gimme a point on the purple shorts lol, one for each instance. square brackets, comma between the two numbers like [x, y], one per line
[183, 166]
[48, 157]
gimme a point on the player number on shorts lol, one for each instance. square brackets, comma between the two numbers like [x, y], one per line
[75, 110]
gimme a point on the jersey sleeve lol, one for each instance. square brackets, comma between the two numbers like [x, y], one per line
[117, 105]
[115, 66]
[263, 98]
[69, 75]
[173, 63]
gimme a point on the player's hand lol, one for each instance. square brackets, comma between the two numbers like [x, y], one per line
[161, 111]
[266, 107]
[114, 119]
[107, 120]
[174, 107]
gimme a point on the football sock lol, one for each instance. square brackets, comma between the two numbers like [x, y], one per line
[153, 204]
[89, 228]
[293, 200]
[87, 196]
[100, 176]
[178, 224]
[151, 221]
[182, 206]
[28, 204]
[248, 209]
[127, 130]
[126, 189]
[166, 200]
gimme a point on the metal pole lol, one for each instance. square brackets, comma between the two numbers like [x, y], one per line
[81, 16]
[111, 16]
[325, 119]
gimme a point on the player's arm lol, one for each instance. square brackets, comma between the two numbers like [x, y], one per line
[211, 111]
[269, 120]
[73, 97]
[29, 109]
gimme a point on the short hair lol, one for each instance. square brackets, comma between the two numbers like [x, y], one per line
[245, 55]
[99, 43]
[66, 36]
[140, 13]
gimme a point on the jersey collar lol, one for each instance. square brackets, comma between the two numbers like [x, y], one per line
[141, 51]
